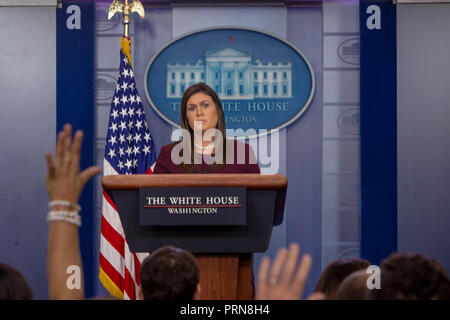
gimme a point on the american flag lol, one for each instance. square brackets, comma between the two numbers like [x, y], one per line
[129, 150]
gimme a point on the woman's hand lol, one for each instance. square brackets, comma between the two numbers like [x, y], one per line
[64, 180]
[282, 281]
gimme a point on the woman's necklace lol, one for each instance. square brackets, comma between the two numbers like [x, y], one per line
[207, 148]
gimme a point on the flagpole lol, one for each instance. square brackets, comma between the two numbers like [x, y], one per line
[126, 20]
[126, 9]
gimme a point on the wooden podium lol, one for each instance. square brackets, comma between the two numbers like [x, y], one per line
[224, 252]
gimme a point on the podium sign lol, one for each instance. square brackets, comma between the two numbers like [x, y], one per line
[263, 196]
[214, 206]
[224, 242]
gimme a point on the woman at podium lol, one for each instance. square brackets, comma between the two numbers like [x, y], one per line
[204, 147]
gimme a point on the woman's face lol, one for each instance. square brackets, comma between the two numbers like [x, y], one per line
[200, 107]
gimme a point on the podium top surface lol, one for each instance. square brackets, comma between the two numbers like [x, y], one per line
[248, 180]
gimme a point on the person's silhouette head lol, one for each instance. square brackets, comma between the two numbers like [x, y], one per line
[407, 276]
[336, 272]
[169, 273]
[13, 285]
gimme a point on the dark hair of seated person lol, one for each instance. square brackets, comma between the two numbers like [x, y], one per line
[336, 272]
[13, 285]
[354, 287]
[406, 276]
[169, 273]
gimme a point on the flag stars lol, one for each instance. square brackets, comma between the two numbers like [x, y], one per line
[113, 127]
[112, 140]
[137, 137]
[116, 100]
[128, 164]
[129, 151]
[146, 150]
[115, 114]
[123, 113]
[128, 135]
[111, 153]
[129, 138]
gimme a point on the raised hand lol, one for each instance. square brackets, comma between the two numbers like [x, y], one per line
[282, 281]
[64, 185]
[64, 180]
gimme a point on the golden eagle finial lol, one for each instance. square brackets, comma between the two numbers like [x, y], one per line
[126, 9]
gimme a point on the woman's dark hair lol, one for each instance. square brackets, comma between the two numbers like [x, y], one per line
[169, 273]
[219, 144]
[336, 272]
[13, 285]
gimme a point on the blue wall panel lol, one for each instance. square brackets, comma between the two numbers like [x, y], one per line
[75, 105]
[378, 121]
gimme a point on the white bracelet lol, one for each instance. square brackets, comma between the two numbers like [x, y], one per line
[64, 203]
[67, 216]
[64, 213]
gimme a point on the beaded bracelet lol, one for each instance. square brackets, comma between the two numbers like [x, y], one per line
[72, 217]
[74, 206]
